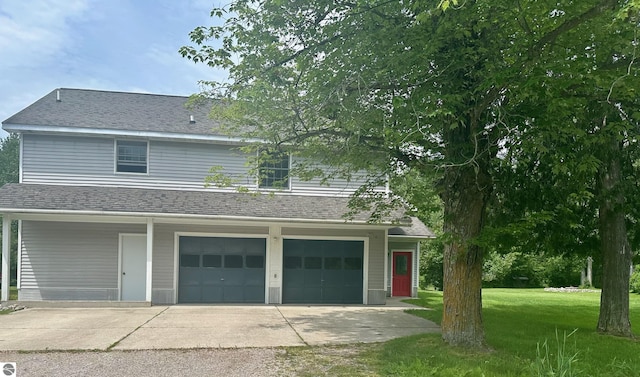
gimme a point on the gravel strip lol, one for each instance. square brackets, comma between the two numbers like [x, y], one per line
[258, 362]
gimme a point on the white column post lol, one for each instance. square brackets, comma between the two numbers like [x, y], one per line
[274, 271]
[6, 257]
[387, 284]
[416, 268]
[149, 279]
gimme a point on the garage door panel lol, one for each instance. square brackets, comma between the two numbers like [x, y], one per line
[294, 294]
[323, 271]
[332, 294]
[254, 277]
[211, 293]
[219, 269]
[253, 294]
[191, 293]
[233, 293]
[211, 276]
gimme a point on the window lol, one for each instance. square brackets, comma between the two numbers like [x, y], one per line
[274, 171]
[313, 263]
[293, 262]
[233, 261]
[189, 260]
[131, 156]
[254, 261]
[211, 260]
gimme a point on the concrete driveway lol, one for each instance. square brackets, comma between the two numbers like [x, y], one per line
[183, 326]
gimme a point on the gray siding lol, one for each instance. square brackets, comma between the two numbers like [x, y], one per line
[337, 186]
[51, 159]
[376, 284]
[90, 160]
[70, 261]
[79, 261]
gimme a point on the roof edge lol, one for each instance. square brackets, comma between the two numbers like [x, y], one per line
[10, 211]
[13, 127]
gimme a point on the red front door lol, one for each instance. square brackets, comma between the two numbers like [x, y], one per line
[401, 274]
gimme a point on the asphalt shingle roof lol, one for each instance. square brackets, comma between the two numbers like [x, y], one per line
[104, 110]
[417, 229]
[119, 200]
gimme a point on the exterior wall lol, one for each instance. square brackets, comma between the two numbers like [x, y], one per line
[375, 282]
[70, 261]
[91, 161]
[83, 160]
[337, 186]
[415, 264]
[79, 261]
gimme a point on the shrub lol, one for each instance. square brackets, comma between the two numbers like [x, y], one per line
[634, 282]
[510, 270]
[431, 264]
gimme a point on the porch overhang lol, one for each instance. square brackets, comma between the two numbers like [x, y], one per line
[137, 205]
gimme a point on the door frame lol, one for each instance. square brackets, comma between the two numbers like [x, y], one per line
[120, 259]
[411, 274]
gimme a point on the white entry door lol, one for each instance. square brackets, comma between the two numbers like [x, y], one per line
[133, 272]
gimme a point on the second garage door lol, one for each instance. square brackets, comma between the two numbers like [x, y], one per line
[323, 271]
[219, 269]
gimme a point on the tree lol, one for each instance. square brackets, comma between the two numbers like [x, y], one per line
[579, 137]
[9, 171]
[388, 87]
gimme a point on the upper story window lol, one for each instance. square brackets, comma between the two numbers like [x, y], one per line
[131, 156]
[274, 171]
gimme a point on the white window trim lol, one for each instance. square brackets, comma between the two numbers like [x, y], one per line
[276, 189]
[115, 157]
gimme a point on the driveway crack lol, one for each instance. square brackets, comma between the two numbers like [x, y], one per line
[114, 344]
[291, 326]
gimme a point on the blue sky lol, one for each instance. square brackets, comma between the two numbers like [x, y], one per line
[122, 45]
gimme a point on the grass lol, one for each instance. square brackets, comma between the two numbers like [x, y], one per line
[516, 322]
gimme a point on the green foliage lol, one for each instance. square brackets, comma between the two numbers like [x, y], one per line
[514, 269]
[555, 364]
[9, 159]
[496, 105]
[518, 269]
[9, 173]
[634, 282]
[431, 263]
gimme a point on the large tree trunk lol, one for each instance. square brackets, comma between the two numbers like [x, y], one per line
[465, 197]
[616, 252]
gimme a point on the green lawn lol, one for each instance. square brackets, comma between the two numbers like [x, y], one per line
[516, 320]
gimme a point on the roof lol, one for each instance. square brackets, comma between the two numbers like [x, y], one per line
[117, 111]
[416, 230]
[101, 200]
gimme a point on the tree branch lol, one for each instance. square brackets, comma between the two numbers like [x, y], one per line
[571, 24]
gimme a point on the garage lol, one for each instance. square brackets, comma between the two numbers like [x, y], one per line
[221, 269]
[322, 272]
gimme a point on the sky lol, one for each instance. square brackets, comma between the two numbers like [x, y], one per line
[120, 45]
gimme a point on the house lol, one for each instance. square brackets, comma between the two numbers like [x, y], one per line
[112, 206]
